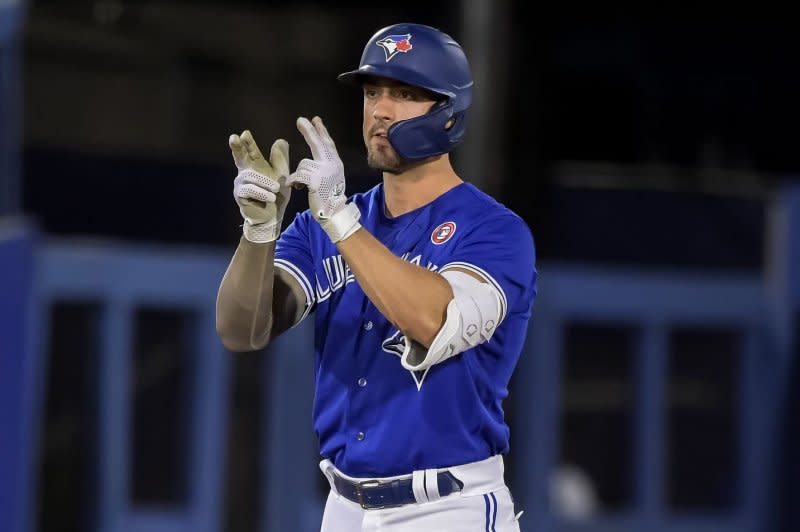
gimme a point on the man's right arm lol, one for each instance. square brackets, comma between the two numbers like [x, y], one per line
[256, 301]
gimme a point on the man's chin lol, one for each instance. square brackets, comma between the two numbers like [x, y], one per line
[384, 162]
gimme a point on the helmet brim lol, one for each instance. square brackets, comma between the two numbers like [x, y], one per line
[403, 75]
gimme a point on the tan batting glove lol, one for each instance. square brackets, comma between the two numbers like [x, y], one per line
[260, 187]
[323, 176]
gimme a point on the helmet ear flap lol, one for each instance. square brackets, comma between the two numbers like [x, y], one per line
[433, 133]
[451, 121]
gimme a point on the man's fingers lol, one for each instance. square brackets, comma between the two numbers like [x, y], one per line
[297, 180]
[238, 151]
[312, 137]
[255, 192]
[300, 178]
[253, 152]
[322, 130]
[263, 181]
[279, 157]
[326, 138]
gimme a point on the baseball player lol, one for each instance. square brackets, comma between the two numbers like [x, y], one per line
[421, 290]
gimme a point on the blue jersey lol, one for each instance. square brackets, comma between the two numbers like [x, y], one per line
[373, 417]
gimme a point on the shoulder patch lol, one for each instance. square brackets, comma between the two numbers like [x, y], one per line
[443, 233]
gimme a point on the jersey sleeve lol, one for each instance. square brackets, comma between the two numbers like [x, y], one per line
[502, 252]
[293, 255]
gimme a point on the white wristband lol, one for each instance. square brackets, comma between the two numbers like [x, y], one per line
[342, 224]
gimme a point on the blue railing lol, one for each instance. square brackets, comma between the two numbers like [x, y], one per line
[123, 279]
[649, 304]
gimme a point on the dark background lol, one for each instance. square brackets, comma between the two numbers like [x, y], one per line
[681, 120]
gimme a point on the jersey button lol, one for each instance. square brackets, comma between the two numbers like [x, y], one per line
[360, 436]
[362, 382]
[368, 326]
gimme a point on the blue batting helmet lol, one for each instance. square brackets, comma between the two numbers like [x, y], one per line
[424, 57]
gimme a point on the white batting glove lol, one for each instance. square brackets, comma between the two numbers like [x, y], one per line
[260, 187]
[323, 176]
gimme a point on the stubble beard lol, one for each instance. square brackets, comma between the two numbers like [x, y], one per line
[385, 159]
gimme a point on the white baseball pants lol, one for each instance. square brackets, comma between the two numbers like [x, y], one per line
[484, 504]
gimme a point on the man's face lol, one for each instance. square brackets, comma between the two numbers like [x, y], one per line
[386, 102]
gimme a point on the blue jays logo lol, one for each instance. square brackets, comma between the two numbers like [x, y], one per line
[395, 345]
[394, 44]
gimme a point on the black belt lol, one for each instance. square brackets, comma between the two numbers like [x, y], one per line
[375, 494]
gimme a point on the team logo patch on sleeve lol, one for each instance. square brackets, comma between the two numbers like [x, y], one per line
[394, 44]
[443, 233]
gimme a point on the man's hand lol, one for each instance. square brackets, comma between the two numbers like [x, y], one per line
[260, 187]
[323, 176]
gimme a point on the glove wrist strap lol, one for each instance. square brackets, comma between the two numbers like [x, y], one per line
[261, 233]
[342, 224]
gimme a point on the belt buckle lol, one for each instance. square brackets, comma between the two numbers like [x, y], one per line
[360, 493]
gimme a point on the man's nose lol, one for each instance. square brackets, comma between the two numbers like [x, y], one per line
[384, 108]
